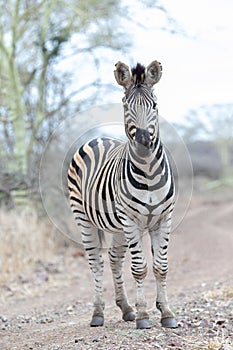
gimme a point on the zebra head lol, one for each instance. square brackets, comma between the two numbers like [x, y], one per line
[140, 107]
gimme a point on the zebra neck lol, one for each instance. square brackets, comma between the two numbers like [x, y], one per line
[147, 165]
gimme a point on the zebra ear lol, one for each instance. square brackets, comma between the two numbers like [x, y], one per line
[153, 73]
[122, 74]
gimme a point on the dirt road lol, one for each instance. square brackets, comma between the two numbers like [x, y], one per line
[52, 310]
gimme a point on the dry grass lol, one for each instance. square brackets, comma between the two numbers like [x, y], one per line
[24, 239]
[223, 292]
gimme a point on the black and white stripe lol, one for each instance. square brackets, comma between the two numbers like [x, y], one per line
[127, 188]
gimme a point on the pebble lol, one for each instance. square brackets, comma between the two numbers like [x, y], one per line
[70, 308]
[78, 340]
[3, 319]
[220, 322]
[95, 340]
[204, 324]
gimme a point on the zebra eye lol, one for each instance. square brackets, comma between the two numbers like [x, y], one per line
[154, 105]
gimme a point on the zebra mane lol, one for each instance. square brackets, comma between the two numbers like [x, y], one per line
[138, 74]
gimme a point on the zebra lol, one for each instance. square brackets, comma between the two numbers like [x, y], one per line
[127, 188]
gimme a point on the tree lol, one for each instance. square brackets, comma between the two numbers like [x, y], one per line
[38, 40]
[213, 123]
[35, 93]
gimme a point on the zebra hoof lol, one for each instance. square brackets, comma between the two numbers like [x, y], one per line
[97, 321]
[169, 322]
[143, 324]
[129, 316]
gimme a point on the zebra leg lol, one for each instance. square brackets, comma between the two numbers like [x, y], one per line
[159, 246]
[117, 256]
[139, 271]
[96, 264]
[92, 245]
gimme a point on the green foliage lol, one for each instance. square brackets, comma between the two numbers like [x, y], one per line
[36, 39]
[34, 93]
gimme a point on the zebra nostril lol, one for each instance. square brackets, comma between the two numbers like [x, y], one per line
[142, 136]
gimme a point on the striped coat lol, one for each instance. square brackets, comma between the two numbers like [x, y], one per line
[127, 188]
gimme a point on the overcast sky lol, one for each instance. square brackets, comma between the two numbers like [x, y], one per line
[197, 67]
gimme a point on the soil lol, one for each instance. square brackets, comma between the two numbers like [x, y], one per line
[51, 309]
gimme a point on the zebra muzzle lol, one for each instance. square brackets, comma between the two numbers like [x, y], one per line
[142, 136]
